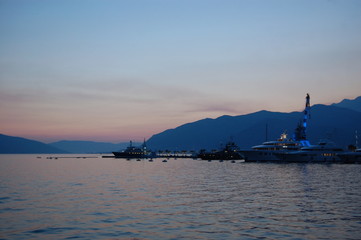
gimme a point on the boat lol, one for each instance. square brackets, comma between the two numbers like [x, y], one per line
[351, 157]
[323, 152]
[134, 152]
[267, 151]
[229, 152]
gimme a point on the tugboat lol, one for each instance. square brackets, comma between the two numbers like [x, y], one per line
[134, 152]
[266, 152]
[229, 152]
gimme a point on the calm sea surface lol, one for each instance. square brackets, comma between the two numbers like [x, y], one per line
[104, 198]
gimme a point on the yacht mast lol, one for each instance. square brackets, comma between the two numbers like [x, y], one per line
[300, 132]
[306, 115]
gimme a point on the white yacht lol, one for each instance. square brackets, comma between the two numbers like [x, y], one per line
[325, 151]
[266, 151]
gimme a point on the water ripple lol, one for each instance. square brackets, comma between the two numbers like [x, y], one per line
[184, 199]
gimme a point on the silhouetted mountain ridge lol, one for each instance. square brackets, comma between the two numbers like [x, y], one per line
[335, 123]
[10, 144]
[18, 145]
[354, 104]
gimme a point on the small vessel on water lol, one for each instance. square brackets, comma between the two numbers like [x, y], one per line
[322, 152]
[229, 152]
[134, 152]
[267, 151]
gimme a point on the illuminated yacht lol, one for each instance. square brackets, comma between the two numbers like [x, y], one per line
[266, 152]
[325, 151]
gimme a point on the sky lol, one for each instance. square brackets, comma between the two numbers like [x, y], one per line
[124, 70]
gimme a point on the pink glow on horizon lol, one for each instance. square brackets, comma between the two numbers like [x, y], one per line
[141, 67]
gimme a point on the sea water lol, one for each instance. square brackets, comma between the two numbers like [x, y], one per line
[68, 197]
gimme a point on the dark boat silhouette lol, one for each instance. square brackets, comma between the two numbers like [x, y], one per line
[229, 152]
[134, 152]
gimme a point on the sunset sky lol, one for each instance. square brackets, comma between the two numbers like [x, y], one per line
[127, 69]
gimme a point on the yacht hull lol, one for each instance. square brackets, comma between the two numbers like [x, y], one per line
[127, 155]
[301, 157]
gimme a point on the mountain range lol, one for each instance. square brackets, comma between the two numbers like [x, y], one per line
[354, 104]
[337, 122]
[9, 145]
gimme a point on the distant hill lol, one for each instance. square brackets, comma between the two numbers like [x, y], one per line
[350, 104]
[337, 122]
[90, 147]
[9, 144]
[332, 122]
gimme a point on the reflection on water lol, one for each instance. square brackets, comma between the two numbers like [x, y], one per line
[101, 198]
